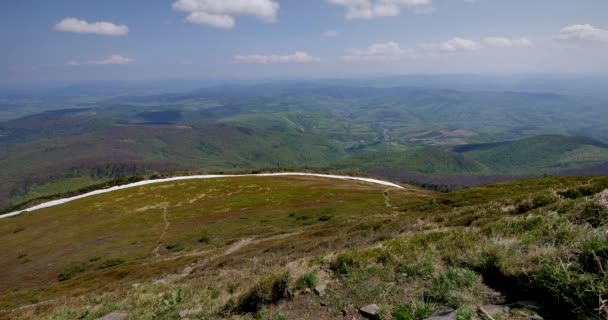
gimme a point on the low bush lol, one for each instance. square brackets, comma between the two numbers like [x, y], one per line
[423, 266]
[537, 202]
[175, 247]
[205, 239]
[414, 310]
[268, 290]
[309, 280]
[454, 286]
[111, 263]
[569, 290]
[268, 314]
[71, 272]
[592, 213]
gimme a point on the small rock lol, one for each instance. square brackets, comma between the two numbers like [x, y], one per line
[536, 317]
[323, 304]
[448, 315]
[114, 316]
[495, 310]
[370, 311]
[188, 312]
[307, 290]
[531, 305]
[320, 291]
[344, 312]
[136, 285]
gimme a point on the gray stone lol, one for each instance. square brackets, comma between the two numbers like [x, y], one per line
[188, 312]
[320, 291]
[114, 316]
[370, 311]
[448, 315]
[531, 305]
[495, 310]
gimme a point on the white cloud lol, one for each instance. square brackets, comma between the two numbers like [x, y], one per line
[507, 42]
[459, 44]
[391, 50]
[222, 13]
[296, 57]
[72, 63]
[369, 9]
[452, 45]
[331, 33]
[584, 32]
[100, 28]
[113, 59]
[379, 52]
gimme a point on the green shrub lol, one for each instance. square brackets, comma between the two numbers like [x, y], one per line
[175, 247]
[325, 218]
[414, 310]
[167, 305]
[565, 287]
[454, 286]
[205, 239]
[345, 262]
[465, 313]
[592, 213]
[71, 272]
[111, 263]
[268, 290]
[268, 314]
[585, 190]
[424, 266]
[536, 202]
[308, 280]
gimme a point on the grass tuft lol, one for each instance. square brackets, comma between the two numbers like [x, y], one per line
[310, 280]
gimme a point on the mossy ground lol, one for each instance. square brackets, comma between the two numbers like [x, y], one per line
[411, 253]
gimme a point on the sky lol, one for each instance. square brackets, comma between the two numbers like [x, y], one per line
[80, 40]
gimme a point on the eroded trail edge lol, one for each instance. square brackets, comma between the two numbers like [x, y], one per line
[208, 176]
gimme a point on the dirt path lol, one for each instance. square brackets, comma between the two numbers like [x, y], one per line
[162, 235]
[387, 199]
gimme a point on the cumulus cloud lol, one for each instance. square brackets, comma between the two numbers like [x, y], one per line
[331, 33]
[507, 42]
[584, 32]
[394, 51]
[379, 52]
[72, 63]
[369, 9]
[222, 13]
[457, 44]
[296, 57]
[100, 28]
[113, 59]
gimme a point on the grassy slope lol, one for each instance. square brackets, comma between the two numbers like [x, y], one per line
[528, 238]
[127, 225]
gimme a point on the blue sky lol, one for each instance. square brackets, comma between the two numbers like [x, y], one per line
[73, 40]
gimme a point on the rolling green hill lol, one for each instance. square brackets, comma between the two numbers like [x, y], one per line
[408, 133]
[253, 247]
